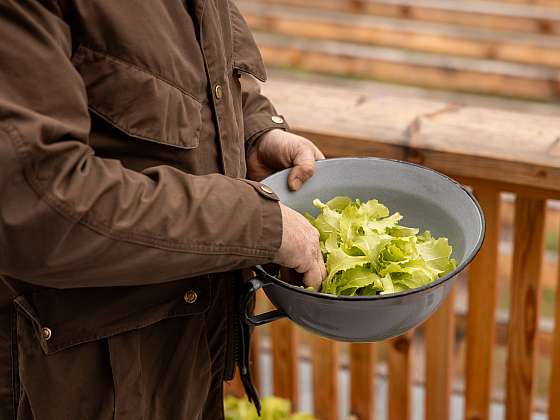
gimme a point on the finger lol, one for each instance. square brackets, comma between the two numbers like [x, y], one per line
[321, 264]
[318, 154]
[304, 168]
[323, 270]
[312, 278]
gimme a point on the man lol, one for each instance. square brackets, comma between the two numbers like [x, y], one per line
[126, 131]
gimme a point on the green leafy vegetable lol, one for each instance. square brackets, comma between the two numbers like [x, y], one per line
[367, 252]
[273, 408]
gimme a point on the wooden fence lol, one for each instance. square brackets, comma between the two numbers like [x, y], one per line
[491, 151]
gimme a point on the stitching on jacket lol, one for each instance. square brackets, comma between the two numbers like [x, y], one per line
[232, 35]
[140, 238]
[123, 62]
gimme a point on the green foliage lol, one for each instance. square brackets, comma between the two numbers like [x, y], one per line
[273, 408]
[367, 252]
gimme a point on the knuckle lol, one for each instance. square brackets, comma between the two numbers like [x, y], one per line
[307, 169]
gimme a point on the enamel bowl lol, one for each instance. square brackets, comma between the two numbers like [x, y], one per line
[426, 199]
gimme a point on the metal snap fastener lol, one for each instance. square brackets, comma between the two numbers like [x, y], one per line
[190, 296]
[218, 92]
[47, 333]
[277, 119]
[267, 189]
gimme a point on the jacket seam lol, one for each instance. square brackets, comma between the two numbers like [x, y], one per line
[127, 63]
[232, 35]
[140, 239]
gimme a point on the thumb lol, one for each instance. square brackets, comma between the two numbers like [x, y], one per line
[304, 167]
[313, 277]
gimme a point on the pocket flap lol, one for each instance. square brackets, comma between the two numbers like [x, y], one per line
[77, 316]
[246, 55]
[138, 102]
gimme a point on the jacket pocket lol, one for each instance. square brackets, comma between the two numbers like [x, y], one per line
[66, 318]
[137, 102]
[118, 345]
[246, 56]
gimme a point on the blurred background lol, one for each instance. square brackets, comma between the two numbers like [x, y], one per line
[500, 54]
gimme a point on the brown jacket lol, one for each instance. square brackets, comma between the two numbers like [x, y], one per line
[124, 127]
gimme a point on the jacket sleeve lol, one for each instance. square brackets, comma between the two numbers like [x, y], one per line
[69, 218]
[259, 115]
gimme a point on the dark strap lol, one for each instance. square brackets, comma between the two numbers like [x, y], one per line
[245, 365]
[7, 291]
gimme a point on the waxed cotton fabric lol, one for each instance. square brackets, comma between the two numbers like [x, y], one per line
[125, 218]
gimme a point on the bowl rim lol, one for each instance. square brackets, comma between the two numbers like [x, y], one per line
[404, 293]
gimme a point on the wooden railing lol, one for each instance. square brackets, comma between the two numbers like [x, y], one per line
[491, 151]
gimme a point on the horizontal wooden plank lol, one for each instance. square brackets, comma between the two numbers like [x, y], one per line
[498, 146]
[539, 3]
[427, 70]
[476, 13]
[403, 34]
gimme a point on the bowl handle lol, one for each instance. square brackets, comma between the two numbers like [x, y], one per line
[260, 281]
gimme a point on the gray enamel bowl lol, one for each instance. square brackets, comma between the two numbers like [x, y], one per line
[426, 199]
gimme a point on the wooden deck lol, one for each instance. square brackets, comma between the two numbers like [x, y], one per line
[504, 49]
[492, 151]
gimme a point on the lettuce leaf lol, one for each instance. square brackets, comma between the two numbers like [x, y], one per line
[367, 252]
[273, 408]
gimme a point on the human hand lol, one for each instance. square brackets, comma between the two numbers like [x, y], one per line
[300, 248]
[277, 150]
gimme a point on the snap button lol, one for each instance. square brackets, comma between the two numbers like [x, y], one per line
[277, 119]
[47, 333]
[218, 92]
[267, 189]
[190, 296]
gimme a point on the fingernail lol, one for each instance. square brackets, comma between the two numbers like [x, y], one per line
[295, 184]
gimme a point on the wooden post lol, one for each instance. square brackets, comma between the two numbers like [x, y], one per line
[235, 386]
[525, 298]
[554, 389]
[480, 331]
[439, 360]
[285, 356]
[362, 380]
[285, 360]
[399, 360]
[324, 359]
